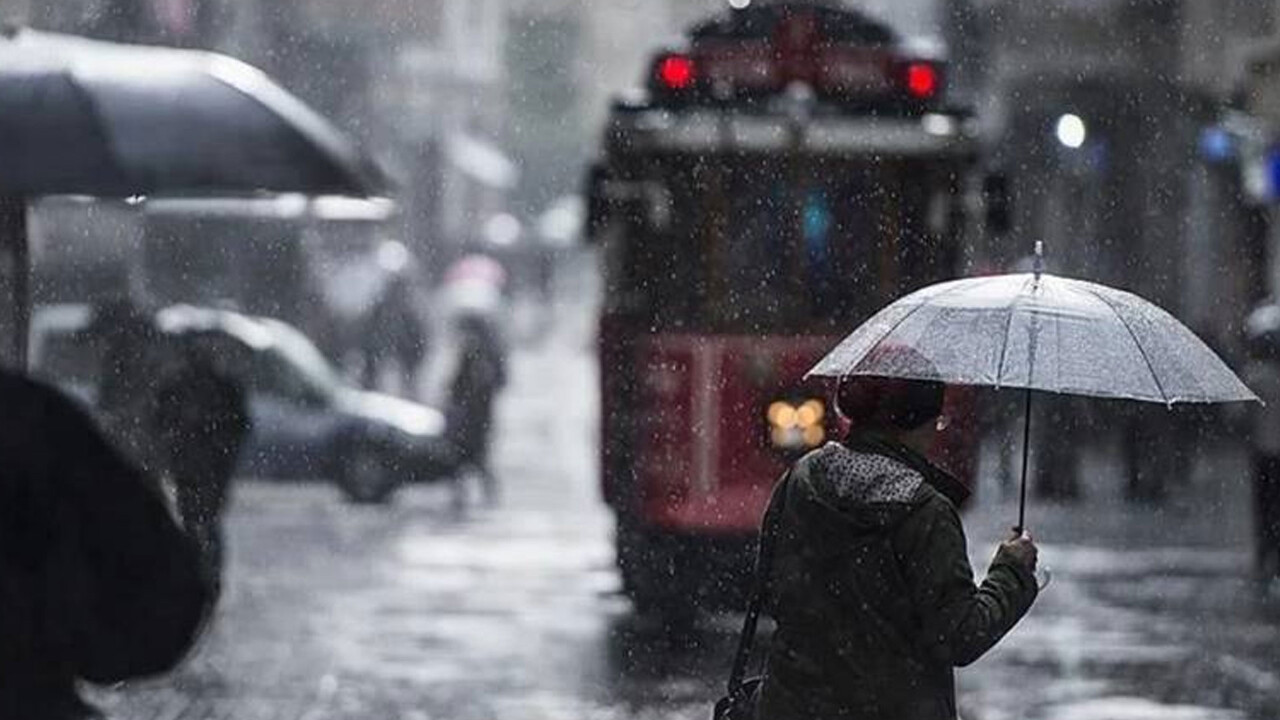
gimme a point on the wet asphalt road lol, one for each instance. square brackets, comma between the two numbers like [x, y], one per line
[414, 611]
[417, 611]
[1150, 612]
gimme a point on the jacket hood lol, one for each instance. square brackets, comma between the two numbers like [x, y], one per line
[870, 490]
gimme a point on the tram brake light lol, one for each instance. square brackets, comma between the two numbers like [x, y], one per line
[922, 80]
[675, 72]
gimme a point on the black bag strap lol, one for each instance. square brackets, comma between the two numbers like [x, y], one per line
[764, 560]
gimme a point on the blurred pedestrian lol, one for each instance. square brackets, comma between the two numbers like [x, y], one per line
[97, 582]
[394, 333]
[480, 374]
[129, 348]
[869, 581]
[1262, 375]
[202, 419]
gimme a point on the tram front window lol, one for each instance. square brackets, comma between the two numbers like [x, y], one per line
[755, 247]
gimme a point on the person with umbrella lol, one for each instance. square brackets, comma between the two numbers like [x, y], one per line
[1037, 332]
[202, 418]
[849, 519]
[479, 376]
[129, 348]
[870, 584]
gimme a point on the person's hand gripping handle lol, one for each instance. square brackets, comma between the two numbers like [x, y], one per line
[1021, 549]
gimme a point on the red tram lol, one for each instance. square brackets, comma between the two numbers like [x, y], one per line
[791, 170]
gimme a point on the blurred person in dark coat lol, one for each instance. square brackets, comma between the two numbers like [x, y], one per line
[202, 419]
[97, 581]
[395, 333]
[1262, 375]
[871, 586]
[480, 375]
[128, 344]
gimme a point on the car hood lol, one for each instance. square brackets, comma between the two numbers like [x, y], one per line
[409, 417]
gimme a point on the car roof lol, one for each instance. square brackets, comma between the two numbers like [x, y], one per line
[185, 319]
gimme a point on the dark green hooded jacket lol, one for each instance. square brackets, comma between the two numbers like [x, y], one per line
[872, 590]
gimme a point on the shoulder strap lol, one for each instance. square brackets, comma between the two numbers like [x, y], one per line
[764, 560]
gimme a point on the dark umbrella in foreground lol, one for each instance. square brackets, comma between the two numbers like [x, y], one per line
[1038, 332]
[86, 117]
[97, 118]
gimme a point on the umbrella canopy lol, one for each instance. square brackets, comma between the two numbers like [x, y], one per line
[1039, 332]
[81, 116]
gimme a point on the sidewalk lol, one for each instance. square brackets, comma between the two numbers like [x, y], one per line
[1150, 613]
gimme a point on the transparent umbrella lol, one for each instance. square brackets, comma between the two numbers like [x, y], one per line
[1038, 332]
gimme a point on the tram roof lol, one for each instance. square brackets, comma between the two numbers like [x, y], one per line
[643, 130]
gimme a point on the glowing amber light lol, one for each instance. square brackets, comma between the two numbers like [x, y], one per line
[810, 413]
[814, 435]
[782, 415]
[780, 436]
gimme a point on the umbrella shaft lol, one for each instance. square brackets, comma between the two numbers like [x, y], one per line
[1026, 454]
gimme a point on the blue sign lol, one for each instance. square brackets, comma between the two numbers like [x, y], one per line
[1217, 145]
[1273, 174]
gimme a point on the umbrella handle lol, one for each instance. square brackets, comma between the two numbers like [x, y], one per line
[1026, 451]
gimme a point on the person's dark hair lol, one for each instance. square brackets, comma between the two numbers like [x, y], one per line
[889, 403]
[872, 402]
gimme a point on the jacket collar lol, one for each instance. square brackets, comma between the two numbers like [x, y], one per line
[882, 444]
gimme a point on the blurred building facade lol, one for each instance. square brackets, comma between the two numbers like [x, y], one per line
[1254, 127]
[421, 82]
[1100, 113]
[1126, 196]
[487, 107]
[479, 107]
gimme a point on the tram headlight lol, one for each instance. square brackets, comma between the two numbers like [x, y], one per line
[810, 413]
[796, 425]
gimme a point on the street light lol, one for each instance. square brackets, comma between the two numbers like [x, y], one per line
[502, 230]
[1071, 131]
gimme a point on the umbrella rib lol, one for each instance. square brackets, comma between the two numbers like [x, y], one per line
[904, 318]
[1133, 336]
[1004, 347]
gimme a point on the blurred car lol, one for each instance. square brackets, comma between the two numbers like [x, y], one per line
[308, 421]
